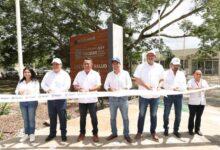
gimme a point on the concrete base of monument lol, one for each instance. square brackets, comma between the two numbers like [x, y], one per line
[210, 128]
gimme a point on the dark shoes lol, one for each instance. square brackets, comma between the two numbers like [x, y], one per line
[110, 137]
[95, 138]
[80, 137]
[155, 137]
[64, 138]
[177, 134]
[166, 133]
[199, 133]
[191, 133]
[128, 139]
[137, 136]
[49, 138]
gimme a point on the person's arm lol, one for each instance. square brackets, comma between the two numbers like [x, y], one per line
[205, 84]
[44, 84]
[95, 88]
[189, 85]
[107, 82]
[128, 81]
[140, 82]
[67, 82]
[76, 83]
[17, 90]
[183, 85]
[162, 76]
[161, 84]
[37, 87]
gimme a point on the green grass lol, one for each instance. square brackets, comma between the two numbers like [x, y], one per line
[4, 109]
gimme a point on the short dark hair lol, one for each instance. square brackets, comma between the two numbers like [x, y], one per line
[88, 58]
[33, 74]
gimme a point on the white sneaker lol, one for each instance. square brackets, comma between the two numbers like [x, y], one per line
[32, 138]
[24, 138]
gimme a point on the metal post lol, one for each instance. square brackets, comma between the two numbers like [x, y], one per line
[159, 33]
[19, 40]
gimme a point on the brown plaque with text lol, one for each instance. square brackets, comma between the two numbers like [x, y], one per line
[93, 45]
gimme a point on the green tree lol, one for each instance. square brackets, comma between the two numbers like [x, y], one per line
[48, 24]
[208, 32]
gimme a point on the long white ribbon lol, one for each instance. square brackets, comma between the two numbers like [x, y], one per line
[75, 95]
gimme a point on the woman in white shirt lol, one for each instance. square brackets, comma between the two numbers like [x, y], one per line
[197, 102]
[28, 85]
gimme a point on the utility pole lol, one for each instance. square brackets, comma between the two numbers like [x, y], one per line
[159, 33]
[19, 38]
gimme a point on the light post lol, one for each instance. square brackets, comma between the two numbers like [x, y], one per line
[19, 40]
[159, 32]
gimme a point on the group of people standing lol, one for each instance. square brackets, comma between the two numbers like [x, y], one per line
[148, 76]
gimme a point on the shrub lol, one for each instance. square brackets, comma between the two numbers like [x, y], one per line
[4, 109]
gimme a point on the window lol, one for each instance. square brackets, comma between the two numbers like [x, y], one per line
[184, 64]
[208, 67]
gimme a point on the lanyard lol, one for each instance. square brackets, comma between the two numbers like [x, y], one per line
[197, 83]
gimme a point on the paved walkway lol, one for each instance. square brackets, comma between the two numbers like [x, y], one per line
[210, 128]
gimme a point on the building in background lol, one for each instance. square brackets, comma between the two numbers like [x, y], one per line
[190, 62]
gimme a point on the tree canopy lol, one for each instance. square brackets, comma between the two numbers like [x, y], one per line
[48, 24]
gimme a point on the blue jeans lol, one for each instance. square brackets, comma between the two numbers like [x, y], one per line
[28, 110]
[168, 101]
[143, 104]
[122, 104]
[57, 107]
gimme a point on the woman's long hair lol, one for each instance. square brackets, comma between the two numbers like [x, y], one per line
[33, 74]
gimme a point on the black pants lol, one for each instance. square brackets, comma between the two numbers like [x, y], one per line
[57, 107]
[195, 110]
[83, 109]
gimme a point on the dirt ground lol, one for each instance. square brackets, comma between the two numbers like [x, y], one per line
[11, 125]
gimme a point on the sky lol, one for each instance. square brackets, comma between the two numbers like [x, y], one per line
[176, 44]
[190, 42]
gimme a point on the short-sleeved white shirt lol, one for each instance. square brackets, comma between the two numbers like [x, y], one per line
[199, 97]
[30, 88]
[150, 74]
[172, 81]
[118, 81]
[87, 81]
[56, 82]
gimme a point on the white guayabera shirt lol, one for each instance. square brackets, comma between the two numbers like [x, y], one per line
[172, 81]
[87, 81]
[150, 74]
[118, 81]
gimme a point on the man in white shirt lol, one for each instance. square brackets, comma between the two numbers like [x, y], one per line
[174, 79]
[116, 80]
[56, 81]
[148, 76]
[87, 80]
[197, 102]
